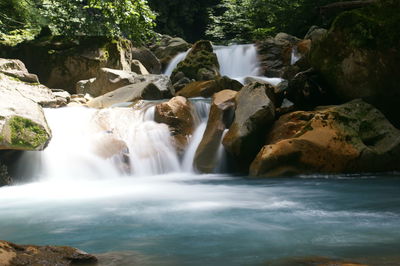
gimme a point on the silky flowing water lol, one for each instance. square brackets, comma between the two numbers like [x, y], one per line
[111, 183]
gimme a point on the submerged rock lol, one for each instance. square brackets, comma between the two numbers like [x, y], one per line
[177, 113]
[353, 137]
[363, 61]
[208, 88]
[255, 112]
[220, 118]
[15, 255]
[200, 64]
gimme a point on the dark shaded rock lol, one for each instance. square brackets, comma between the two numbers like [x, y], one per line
[61, 62]
[167, 47]
[148, 59]
[220, 118]
[255, 112]
[5, 179]
[18, 255]
[353, 137]
[201, 63]
[208, 88]
[362, 61]
[138, 68]
[177, 113]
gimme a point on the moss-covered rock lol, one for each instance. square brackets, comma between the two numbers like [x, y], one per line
[360, 57]
[200, 64]
[60, 62]
[353, 137]
[22, 122]
[167, 47]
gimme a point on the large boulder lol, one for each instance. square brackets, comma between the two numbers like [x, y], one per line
[108, 80]
[61, 62]
[130, 93]
[167, 47]
[12, 254]
[220, 118]
[201, 63]
[148, 59]
[22, 122]
[178, 114]
[255, 112]
[15, 76]
[362, 61]
[353, 137]
[208, 88]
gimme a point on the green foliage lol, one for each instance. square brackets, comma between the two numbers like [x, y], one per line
[129, 18]
[248, 20]
[184, 18]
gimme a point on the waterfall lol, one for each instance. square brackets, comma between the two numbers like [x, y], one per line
[236, 61]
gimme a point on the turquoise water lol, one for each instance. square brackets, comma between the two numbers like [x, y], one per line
[209, 220]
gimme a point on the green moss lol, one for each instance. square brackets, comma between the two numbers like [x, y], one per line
[26, 133]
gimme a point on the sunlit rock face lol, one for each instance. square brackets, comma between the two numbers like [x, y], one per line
[353, 137]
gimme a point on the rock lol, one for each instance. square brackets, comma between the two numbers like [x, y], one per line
[61, 62]
[22, 122]
[148, 59]
[276, 53]
[313, 261]
[255, 112]
[200, 63]
[139, 68]
[109, 80]
[16, 69]
[177, 113]
[353, 137]
[167, 48]
[5, 179]
[130, 93]
[208, 88]
[12, 254]
[106, 80]
[315, 34]
[32, 90]
[220, 118]
[363, 61]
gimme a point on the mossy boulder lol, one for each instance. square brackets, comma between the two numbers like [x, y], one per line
[200, 64]
[60, 62]
[353, 137]
[167, 47]
[22, 122]
[360, 57]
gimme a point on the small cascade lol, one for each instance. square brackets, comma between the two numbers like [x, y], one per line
[174, 62]
[295, 56]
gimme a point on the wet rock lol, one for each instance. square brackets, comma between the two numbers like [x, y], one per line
[220, 118]
[200, 64]
[255, 112]
[22, 122]
[61, 62]
[148, 59]
[353, 137]
[15, 255]
[5, 179]
[177, 113]
[168, 47]
[208, 88]
[363, 61]
[315, 34]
